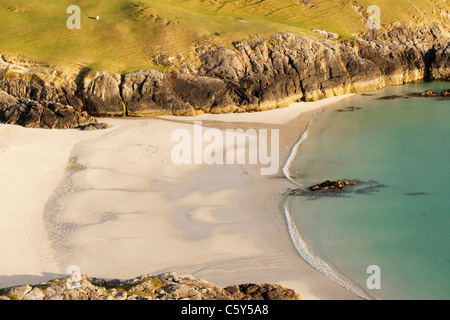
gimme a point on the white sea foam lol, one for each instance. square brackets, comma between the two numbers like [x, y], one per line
[300, 245]
[294, 151]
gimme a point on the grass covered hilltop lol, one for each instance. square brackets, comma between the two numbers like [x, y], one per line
[130, 34]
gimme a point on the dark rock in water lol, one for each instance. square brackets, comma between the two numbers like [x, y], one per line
[417, 194]
[149, 93]
[337, 189]
[370, 189]
[428, 93]
[349, 109]
[332, 185]
[443, 95]
[393, 97]
[43, 114]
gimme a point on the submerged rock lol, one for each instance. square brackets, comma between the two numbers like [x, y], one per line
[337, 189]
[332, 185]
[393, 97]
[349, 109]
[444, 94]
[428, 93]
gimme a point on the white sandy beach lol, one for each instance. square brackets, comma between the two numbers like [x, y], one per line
[113, 203]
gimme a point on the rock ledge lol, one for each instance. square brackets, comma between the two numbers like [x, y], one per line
[167, 286]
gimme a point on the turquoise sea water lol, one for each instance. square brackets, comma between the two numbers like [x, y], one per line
[401, 223]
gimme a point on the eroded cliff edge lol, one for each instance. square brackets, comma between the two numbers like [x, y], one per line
[254, 76]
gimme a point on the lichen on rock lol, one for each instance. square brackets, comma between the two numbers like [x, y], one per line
[167, 286]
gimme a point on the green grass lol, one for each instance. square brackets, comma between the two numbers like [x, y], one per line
[129, 33]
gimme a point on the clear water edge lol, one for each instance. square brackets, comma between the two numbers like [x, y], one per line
[305, 247]
[300, 245]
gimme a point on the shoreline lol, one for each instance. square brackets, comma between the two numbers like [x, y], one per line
[326, 268]
[300, 245]
[191, 239]
[336, 224]
[294, 151]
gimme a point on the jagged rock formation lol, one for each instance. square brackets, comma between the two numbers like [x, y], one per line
[439, 64]
[337, 185]
[168, 286]
[44, 114]
[326, 34]
[443, 95]
[258, 75]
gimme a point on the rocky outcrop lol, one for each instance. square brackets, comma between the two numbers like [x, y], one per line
[332, 185]
[337, 189]
[438, 64]
[326, 34]
[254, 76]
[349, 109]
[23, 78]
[149, 93]
[102, 97]
[443, 95]
[168, 286]
[391, 97]
[265, 291]
[47, 115]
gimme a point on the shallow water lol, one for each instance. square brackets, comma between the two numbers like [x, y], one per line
[400, 220]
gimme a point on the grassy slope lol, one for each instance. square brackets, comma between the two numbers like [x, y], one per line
[130, 32]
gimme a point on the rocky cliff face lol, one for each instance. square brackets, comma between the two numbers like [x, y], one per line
[168, 286]
[259, 75]
[44, 114]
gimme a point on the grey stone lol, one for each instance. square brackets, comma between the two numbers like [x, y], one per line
[43, 114]
[188, 288]
[19, 291]
[102, 95]
[34, 294]
[174, 277]
[71, 294]
[253, 76]
[122, 295]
